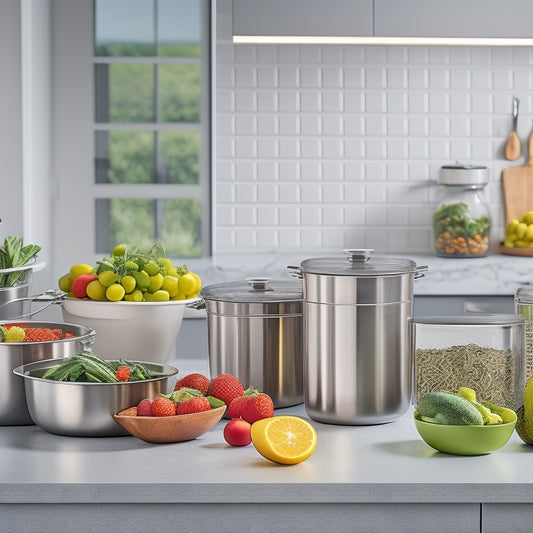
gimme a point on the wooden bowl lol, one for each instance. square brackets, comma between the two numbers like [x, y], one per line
[165, 429]
[523, 252]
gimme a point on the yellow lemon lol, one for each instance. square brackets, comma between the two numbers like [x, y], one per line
[284, 439]
[170, 284]
[142, 279]
[157, 296]
[187, 283]
[96, 291]
[80, 268]
[151, 268]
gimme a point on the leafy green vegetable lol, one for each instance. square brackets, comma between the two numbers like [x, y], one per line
[12, 255]
[457, 221]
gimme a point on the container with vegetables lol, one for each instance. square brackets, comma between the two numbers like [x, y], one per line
[17, 264]
[461, 222]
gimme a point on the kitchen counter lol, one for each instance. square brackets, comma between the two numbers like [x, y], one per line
[360, 478]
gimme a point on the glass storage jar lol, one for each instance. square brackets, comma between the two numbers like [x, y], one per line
[524, 306]
[461, 222]
[483, 352]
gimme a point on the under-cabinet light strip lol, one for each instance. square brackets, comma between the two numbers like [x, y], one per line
[434, 41]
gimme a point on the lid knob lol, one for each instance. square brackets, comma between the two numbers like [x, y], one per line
[259, 284]
[358, 255]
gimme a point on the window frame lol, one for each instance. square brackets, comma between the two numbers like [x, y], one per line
[74, 127]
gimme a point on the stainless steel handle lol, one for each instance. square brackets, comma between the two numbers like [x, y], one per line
[295, 271]
[198, 304]
[358, 255]
[419, 272]
[51, 296]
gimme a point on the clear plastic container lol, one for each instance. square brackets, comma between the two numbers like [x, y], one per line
[483, 352]
[461, 222]
[524, 306]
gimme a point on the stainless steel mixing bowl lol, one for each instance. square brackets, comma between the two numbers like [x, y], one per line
[13, 408]
[87, 409]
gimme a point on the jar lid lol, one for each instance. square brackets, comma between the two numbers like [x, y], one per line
[459, 174]
[471, 320]
[358, 262]
[255, 290]
[524, 295]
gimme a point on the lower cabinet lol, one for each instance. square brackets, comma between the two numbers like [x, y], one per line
[512, 517]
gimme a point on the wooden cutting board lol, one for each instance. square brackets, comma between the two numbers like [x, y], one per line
[518, 187]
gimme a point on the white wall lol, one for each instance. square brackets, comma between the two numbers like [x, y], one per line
[324, 147]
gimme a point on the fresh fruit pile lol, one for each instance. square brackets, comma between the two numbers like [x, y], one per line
[131, 274]
[519, 232]
[461, 409]
[282, 439]
[13, 333]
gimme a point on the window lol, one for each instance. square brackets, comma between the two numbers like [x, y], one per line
[143, 174]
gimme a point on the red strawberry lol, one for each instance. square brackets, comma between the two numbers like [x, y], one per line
[144, 408]
[194, 405]
[257, 408]
[123, 373]
[194, 381]
[237, 432]
[225, 387]
[237, 404]
[163, 407]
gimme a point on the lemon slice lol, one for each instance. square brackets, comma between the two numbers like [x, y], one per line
[284, 439]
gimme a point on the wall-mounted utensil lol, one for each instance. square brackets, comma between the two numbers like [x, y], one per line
[518, 187]
[512, 146]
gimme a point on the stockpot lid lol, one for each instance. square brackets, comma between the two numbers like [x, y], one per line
[255, 297]
[358, 262]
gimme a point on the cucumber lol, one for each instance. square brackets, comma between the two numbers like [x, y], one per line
[448, 408]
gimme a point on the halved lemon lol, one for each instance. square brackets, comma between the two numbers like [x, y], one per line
[284, 439]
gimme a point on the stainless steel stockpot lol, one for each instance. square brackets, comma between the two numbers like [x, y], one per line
[255, 332]
[357, 358]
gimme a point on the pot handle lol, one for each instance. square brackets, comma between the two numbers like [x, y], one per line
[295, 271]
[419, 272]
[51, 296]
[198, 304]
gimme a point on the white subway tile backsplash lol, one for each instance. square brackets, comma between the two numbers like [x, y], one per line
[326, 147]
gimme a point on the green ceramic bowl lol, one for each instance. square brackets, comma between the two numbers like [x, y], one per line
[464, 440]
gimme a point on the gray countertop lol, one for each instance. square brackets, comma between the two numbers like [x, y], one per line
[381, 463]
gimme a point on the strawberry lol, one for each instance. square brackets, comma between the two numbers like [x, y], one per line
[237, 404]
[194, 381]
[194, 405]
[257, 407]
[144, 408]
[225, 387]
[237, 432]
[123, 373]
[163, 407]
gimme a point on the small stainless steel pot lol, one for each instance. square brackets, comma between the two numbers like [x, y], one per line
[13, 405]
[255, 332]
[357, 358]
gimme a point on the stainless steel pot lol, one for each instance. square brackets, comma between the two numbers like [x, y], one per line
[357, 358]
[255, 332]
[13, 405]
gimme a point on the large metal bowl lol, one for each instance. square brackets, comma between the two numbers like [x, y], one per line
[13, 407]
[87, 409]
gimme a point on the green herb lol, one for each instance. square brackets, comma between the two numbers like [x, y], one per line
[13, 255]
[457, 221]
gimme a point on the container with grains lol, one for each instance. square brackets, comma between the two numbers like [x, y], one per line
[483, 352]
[524, 306]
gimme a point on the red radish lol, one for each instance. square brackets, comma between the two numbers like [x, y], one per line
[237, 432]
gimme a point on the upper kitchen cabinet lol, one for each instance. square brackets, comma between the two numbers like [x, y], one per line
[453, 18]
[302, 17]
